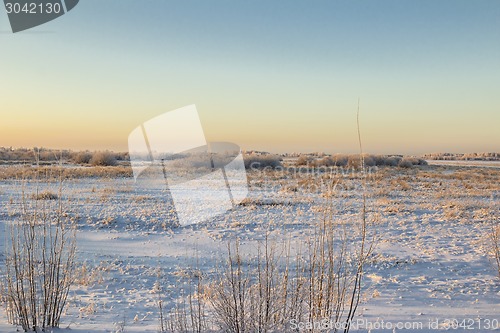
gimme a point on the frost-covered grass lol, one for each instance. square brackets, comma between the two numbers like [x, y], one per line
[433, 255]
[69, 172]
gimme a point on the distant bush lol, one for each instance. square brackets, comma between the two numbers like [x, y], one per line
[319, 160]
[304, 160]
[123, 156]
[371, 160]
[325, 161]
[45, 195]
[103, 158]
[355, 160]
[340, 160]
[392, 160]
[82, 157]
[405, 163]
[259, 161]
[422, 162]
[409, 162]
[190, 161]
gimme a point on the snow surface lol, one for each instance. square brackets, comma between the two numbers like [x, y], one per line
[431, 261]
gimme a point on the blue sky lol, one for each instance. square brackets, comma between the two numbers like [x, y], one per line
[271, 75]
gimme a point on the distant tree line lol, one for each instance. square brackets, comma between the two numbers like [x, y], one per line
[463, 157]
[50, 156]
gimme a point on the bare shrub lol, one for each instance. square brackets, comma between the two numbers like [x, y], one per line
[189, 314]
[494, 238]
[40, 262]
[266, 291]
[257, 294]
[103, 158]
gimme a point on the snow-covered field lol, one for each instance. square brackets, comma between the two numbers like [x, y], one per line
[431, 262]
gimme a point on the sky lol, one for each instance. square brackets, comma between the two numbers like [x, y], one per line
[279, 76]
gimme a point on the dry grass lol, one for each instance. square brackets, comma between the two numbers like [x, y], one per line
[86, 276]
[52, 173]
